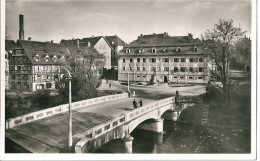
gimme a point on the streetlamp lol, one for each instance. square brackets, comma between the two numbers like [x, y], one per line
[70, 116]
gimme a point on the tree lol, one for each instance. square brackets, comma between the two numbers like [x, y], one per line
[219, 45]
[85, 68]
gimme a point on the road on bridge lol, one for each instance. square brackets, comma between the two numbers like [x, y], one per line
[50, 134]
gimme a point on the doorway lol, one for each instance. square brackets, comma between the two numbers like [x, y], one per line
[165, 79]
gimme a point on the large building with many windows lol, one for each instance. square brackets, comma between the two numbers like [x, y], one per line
[9, 45]
[36, 65]
[163, 58]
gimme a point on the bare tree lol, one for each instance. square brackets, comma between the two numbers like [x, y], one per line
[219, 44]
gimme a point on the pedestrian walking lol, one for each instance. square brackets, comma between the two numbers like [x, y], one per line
[109, 85]
[141, 103]
[135, 104]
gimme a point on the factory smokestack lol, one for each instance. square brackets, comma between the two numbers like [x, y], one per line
[21, 31]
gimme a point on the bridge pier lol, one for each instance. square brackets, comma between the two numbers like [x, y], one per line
[152, 125]
[172, 115]
[123, 145]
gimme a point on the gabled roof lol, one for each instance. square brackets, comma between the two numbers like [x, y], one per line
[115, 40]
[163, 40]
[92, 40]
[9, 45]
[71, 45]
[33, 48]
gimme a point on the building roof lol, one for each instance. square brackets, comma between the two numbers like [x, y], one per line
[115, 40]
[42, 49]
[92, 40]
[163, 40]
[74, 49]
[9, 45]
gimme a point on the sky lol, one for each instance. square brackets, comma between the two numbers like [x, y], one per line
[65, 19]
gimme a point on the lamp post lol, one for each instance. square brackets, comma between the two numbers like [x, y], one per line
[70, 116]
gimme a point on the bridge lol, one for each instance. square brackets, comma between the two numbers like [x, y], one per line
[106, 123]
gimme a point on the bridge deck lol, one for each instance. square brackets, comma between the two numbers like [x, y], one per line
[51, 134]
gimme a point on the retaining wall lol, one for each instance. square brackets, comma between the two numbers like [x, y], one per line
[12, 122]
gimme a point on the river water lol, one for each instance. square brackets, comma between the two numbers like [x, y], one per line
[187, 138]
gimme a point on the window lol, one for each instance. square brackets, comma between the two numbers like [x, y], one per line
[191, 60]
[165, 60]
[181, 77]
[164, 50]
[5, 64]
[138, 76]
[153, 69]
[178, 49]
[19, 67]
[144, 76]
[131, 60]
[176, 59]
[191, 69]
[127, 50]
[138, 59]
[138, 68]
[199, 77]
[19, 77]
[143, 68]
[37, 58]
[183, 60]
[123, 69]
[158, 69]
[48, 77]
[190, 77]
[195, 49]
[54, 58]
[175, 77]
[144, 60]
[47, 58]
[182, 69]
[131, 68]
[153, 50]
[123, 59]
[175, 69]
[25, 77]
[153, 60]
[200, 69]
[13, 77]
[200, 59]
[19, 84]
[166, 69]
[48, 85]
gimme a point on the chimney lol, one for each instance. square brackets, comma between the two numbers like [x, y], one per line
[190, 35]
[21, 31]
[52, 41]
[89, 44]
[77, 42]
[29, 38]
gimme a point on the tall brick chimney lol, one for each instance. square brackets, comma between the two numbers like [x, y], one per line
[21, 31]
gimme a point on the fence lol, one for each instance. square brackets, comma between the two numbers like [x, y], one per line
[12, 122]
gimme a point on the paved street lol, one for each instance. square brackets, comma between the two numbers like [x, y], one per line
[50, 134]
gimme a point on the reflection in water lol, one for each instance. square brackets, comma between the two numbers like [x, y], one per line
[187, 138]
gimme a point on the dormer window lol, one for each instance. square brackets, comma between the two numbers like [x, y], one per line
[178, 49]
[46, 58]
[195, 49]
[141, 50]
[37, 58]
[164, 50]
[54, 58]
[128, 51]
[153, 50]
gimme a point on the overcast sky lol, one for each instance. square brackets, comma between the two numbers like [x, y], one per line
[56, 20]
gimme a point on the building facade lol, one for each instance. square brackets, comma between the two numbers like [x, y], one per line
[36, 65]
[117, 44]
[102, 46]
[9, 45]
[163, 58]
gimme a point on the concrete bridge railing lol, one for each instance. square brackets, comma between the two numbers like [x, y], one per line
[12, 122]
[120, 127]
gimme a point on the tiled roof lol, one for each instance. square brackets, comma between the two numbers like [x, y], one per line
[42, 49]
[9, 45]
[115, 40]
[92, 40]
[71, 45]
[163, 40]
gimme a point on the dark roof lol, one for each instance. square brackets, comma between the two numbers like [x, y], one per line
[115, 40]
[163, 40]
[71, 45]
[33, 48]
[92, 40]
[9, 45]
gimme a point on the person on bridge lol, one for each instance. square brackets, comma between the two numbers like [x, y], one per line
[135, 104]
[141, 103]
